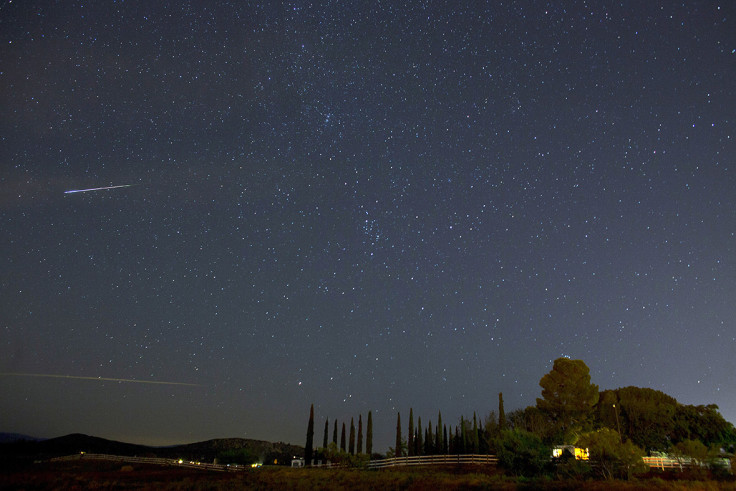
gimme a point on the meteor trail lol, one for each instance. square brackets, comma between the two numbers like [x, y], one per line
[105, 379]
[98, 189]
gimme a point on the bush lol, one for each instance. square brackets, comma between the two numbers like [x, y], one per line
[522, 453]
[239, 456]
[568, 467]
[611, 457]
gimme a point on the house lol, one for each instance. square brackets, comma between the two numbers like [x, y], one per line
[579, 453]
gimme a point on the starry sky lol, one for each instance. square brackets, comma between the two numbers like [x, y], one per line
[361, 205]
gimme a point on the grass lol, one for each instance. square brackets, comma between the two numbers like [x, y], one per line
[110, 475]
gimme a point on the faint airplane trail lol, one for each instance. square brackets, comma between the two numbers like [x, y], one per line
[104, 379]
[98, 189]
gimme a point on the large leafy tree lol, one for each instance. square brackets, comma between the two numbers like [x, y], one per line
[654, 420]
[568, 397]
[646, 416]
[532, 420]
[703, 423]
[691, 449]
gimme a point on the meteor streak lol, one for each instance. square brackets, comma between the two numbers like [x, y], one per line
[104, 379]
[98, 189]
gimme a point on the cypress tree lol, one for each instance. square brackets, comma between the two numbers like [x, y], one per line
[369, 435]
[397, 448]
[445, 449]
[308, 450]
[437, 440]
[327, 431]
[360, 433]
[351, 444]
[464, 436]
[418, 439]
[475, 434]
[451, 442]
[501, 414]
[428, 440]
[440, 439]
[410, 436]
[342, 438]
[334, 434]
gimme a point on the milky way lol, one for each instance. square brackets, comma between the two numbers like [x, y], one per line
[361, 206]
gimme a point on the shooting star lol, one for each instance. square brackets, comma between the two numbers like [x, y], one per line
[98, 189]
[103, 379]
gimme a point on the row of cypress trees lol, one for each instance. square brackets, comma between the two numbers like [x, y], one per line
[349, 446]
[435, 440]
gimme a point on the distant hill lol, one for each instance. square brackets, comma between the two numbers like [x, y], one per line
[266, 452]
[206, 451]
[17, 437]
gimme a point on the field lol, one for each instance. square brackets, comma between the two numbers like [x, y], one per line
[109, 475]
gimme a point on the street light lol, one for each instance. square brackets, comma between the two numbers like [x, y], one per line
[618, 425]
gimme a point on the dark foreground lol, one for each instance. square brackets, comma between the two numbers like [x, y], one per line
[110, 475]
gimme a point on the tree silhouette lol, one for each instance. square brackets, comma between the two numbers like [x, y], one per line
[308, 448]
[440, 437]
[369, 435]
[418, 439]
[360, 434]
[342, 438]
[351, 441]
[397, 448]
[463, 436]
[568, 397]
[327, 431]
[445, 443]
[501, 413]
[475, 434]
[428, 440]
[410, 435]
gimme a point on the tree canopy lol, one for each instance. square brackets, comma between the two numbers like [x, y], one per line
[568, 397]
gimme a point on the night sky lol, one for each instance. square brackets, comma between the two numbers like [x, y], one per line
[361, 205]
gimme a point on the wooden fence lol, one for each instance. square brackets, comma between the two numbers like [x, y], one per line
[685, 462]
[664, 463]
[653, 462]
[434, 460]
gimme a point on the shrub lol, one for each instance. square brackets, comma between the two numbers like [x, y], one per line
[522, 453]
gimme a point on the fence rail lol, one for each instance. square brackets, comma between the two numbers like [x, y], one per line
[664, 463]
[434, 460]
[653, 462]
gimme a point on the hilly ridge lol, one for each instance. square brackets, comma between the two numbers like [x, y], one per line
[205, 451]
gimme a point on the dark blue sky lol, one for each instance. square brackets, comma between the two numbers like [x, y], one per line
[359, 205]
